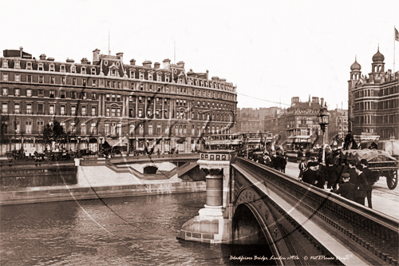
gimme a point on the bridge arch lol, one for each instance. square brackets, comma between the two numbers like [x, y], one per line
[253, 222]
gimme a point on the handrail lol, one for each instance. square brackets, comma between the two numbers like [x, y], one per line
[376, 231]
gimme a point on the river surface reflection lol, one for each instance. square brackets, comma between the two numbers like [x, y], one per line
[119, 231]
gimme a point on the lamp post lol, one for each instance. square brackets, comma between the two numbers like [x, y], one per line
[323, 121]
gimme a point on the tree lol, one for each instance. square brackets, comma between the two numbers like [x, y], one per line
[54, 133]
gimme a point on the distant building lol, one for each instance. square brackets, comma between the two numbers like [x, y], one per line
[373, 101]
[252, 120]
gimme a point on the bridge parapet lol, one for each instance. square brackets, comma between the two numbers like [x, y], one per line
[371, 236]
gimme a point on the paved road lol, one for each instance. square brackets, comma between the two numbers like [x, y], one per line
[384, 199]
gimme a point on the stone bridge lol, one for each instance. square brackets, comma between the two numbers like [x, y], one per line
[249, 203]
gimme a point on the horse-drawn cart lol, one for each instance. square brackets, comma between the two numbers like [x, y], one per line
[378, 161]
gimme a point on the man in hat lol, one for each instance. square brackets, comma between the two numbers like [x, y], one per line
[370, 178]
[346, 189]
[313, 176]
[361, 185]
[302, 167]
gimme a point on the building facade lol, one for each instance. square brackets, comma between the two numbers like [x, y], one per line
[373, 100]
[105, 100]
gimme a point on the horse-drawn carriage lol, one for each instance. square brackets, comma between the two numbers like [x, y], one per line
[378, 161]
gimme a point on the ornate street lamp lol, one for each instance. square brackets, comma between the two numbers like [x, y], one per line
[323, 121]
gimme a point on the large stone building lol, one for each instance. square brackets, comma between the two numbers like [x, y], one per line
[373, 100]
[126, 105]
[252, 119]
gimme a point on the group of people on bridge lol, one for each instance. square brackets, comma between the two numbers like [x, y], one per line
[346, 177]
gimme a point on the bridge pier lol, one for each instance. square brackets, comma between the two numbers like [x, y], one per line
[214, 222]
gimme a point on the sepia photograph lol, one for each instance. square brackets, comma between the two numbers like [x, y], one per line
[224, 132]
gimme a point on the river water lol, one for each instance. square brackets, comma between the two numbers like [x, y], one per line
[120, 231]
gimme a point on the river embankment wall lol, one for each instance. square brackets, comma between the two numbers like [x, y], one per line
[96, 180]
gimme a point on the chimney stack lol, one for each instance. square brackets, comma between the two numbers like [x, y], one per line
[166, 64]
[132, 62]
[96, 56]
[120, 56]
[42, 57]
[157, 65]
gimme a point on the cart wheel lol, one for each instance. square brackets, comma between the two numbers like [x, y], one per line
[392, 179]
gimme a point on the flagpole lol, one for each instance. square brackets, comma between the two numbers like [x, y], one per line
[394, 40]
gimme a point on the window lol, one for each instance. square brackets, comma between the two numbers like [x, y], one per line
[83, 70]
[83, 110]
[51, 67]
[52, 80]
[113, 97]
[4, 109]
[107, 112]
[93, 129]
[73, 110]
[141, 129]
[62, 110]
[84, 95]
[40, 109]
[159, 129]
[41, 79]
[17, 126]
[63, 94]
[5, 77]
[107, 97]
[84, 82]
[40, 67]
[118, 112]
[94, 83]
[5, 92]
[106, 129]
[93, 96]
[17, 65]
[40, 92]
[118, 98]
[16, 108]
[29, 65]
[93, 70]
[150, 130]
[52, 94]
[51, 109]
[29, 78]
[73, 69]
[63, 81]
[83, 129]
[17, 77]
[17, 92]
[74, 83]
[40, 125]
[140, 112]
[113, 112]
[28, 127]
[29, 108]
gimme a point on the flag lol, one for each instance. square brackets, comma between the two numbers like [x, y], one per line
[396, 35]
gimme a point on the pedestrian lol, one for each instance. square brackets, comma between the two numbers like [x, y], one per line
[346, 189]
[361, 185]
[331, 173]
[303, 166]
[351, 170]
[313, 176]
[370, 178]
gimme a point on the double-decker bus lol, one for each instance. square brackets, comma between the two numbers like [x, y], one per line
[224, 141]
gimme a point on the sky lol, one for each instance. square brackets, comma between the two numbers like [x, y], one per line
[271, 50]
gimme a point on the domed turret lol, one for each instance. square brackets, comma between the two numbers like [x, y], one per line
[356, 66]
[378, 57]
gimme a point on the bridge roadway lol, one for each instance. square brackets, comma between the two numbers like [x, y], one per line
[306, 218]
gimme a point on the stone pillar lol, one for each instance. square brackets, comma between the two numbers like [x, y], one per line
[213, 224]
[214, 187]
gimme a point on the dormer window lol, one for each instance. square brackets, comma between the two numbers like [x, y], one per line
[159, 76]
[40, 67]
[93, 70]
[166, 78]
[132, 74]
[5, 63]
[149, 76]
[113, 72]
[73, 69]
[28, 65]
[62, 68]
[141, 76]
[83, 70]
[17, 65]
[51, 67]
